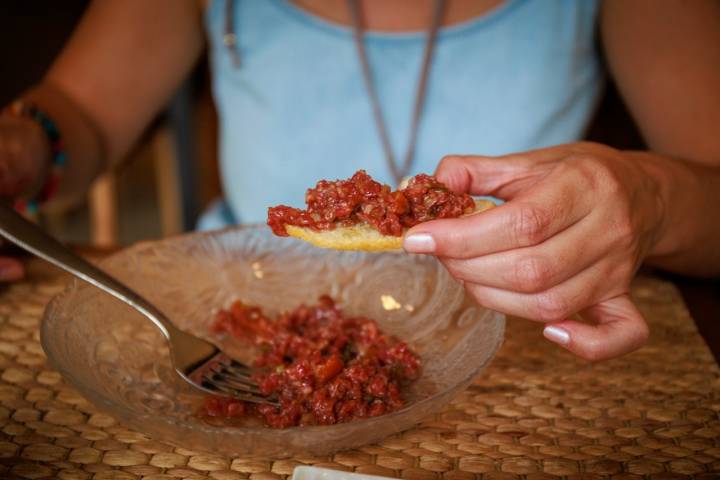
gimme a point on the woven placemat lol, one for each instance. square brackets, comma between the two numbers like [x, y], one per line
[536, 413]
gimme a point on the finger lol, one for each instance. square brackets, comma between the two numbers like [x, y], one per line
[618, 328]
[537, 268]
[479, 175]
[11, 269]
[501, 176]
[555, 304]
[539, 213]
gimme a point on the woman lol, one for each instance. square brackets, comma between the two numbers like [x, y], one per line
[314, 89]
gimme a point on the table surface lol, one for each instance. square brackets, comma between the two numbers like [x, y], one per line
[536, 412]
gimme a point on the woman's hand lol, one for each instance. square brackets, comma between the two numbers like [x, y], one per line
[24, 156]
[577, 223]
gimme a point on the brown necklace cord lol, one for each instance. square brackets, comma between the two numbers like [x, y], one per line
[401, 172]
[229, 35]
[398, 173]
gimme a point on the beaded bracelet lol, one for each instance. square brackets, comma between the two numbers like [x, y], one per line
[31, 207]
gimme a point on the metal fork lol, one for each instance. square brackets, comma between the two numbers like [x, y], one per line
[198, 362]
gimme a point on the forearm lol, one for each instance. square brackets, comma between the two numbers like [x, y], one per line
[119, 68]
[665, 58]
[688, 239]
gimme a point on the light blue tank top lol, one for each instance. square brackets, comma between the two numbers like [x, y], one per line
[525, 75]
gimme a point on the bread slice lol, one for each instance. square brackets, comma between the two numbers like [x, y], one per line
[361, 236]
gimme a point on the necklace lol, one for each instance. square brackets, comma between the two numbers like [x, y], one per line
[398, 171]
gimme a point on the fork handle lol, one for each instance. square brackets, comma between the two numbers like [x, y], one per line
[32, 238]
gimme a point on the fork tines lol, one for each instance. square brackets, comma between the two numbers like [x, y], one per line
[223, 375]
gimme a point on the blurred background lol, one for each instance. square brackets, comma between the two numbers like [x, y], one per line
[171, 175]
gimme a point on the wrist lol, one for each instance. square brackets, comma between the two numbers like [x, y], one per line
[681, 205]
[82, 137]
[46, 156]
[648, 199]
[658, 187]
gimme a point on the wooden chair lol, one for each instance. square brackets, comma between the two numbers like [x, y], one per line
[183, 151]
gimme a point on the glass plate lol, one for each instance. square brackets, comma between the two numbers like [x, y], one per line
[119, 361]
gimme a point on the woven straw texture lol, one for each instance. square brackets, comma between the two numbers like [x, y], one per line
[536, 413]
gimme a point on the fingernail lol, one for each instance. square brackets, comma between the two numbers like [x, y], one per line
[419, 243]
[557, 335]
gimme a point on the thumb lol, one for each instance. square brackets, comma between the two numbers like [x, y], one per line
[617, 328]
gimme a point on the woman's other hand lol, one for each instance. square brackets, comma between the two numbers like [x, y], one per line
[11, 269]
[24, 156]
[577, 223]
